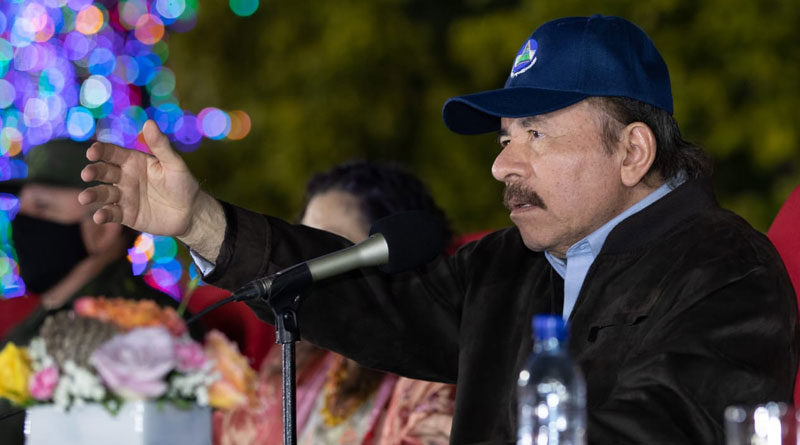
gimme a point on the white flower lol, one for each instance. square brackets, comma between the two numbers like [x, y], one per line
[77, 386]
[37, 351]
[201, 396]
[193, 385]
[61, 396]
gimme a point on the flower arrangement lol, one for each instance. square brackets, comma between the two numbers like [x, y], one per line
[108, 351]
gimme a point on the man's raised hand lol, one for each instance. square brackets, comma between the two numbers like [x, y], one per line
[150, 193]
[153, 193]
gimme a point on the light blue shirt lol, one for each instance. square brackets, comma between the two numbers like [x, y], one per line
[582, 254]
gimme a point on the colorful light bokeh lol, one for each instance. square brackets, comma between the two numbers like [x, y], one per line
[243, 8]
[155, 258]
[71, 68]
[11, 284]
[94, 70]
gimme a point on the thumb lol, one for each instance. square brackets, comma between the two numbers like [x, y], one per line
[158, 143]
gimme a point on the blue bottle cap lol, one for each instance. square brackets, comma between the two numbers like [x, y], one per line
[548, 326]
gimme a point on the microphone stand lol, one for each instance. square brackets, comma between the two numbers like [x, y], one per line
[287, 333]
[283, 290]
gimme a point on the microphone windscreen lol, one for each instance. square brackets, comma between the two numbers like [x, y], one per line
[413, 238]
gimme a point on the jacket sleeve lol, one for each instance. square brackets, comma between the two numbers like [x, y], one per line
[733, 344]
[405, 323]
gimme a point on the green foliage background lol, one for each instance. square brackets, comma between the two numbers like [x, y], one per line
[328, 80]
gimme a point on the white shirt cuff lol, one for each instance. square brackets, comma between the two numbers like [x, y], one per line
[205, 266]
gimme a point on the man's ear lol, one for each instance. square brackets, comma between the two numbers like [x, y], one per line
[99, 238]
[639, 143]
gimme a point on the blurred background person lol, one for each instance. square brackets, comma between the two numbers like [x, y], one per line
[339, 401]
[62, 253]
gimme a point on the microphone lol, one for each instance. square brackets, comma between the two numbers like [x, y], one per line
[396, 243]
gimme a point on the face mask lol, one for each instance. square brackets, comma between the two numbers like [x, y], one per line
[46, 251]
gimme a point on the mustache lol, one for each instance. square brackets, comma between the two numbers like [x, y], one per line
[518, 193]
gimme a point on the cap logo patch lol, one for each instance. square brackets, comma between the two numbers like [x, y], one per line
[525, 59]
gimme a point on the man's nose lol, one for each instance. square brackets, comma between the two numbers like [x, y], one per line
[509, 163]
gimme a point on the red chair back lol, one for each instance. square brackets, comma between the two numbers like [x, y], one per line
[14, 310]
[785, 235]
[236, 320]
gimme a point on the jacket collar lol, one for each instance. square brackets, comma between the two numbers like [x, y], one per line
[641, 228]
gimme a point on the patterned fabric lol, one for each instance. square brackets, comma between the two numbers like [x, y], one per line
[262, 424]
[401, 411]
[359, 427]
[419, 413]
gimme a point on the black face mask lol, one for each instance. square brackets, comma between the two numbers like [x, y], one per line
[46, 251]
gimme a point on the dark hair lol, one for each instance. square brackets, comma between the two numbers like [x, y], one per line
[382, 189]
[673, 154]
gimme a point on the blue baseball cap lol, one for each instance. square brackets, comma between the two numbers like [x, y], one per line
[563, 62]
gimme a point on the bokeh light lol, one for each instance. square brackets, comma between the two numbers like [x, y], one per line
[243, 8]
[102, 61]
[7, 93]
[147, 69]
[214, 123]
[51, 82]
[141, 253]
[10, 141]
[92, 70]
[162, 84]
[240, 125]
[36, 112]
[187, 133]
[95, 91]
[80, 123]
[149, 29]
[76, 45]
[89, 20]
[11, 168]
[166, 272]
[155, 258]
[9, 204]
[11, 284]
[170, 9]
[77, 5]
[129, 12]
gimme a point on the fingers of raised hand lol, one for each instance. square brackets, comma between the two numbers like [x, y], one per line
[101, 151]
[103, 172]
[159, 143]
[100, 194]
[109, 213]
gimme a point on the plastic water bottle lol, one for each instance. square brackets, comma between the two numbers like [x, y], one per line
[551, 392]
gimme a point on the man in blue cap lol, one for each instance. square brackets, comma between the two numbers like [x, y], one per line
[677, 308]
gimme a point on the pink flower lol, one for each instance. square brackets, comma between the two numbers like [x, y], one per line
[43, 383]
[84, 306]
[134, 365]
[189, 355]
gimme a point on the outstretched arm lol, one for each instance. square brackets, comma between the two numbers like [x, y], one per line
[153, 193]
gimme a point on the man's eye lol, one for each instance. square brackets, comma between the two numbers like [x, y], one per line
[534, 133]
[505, 142]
